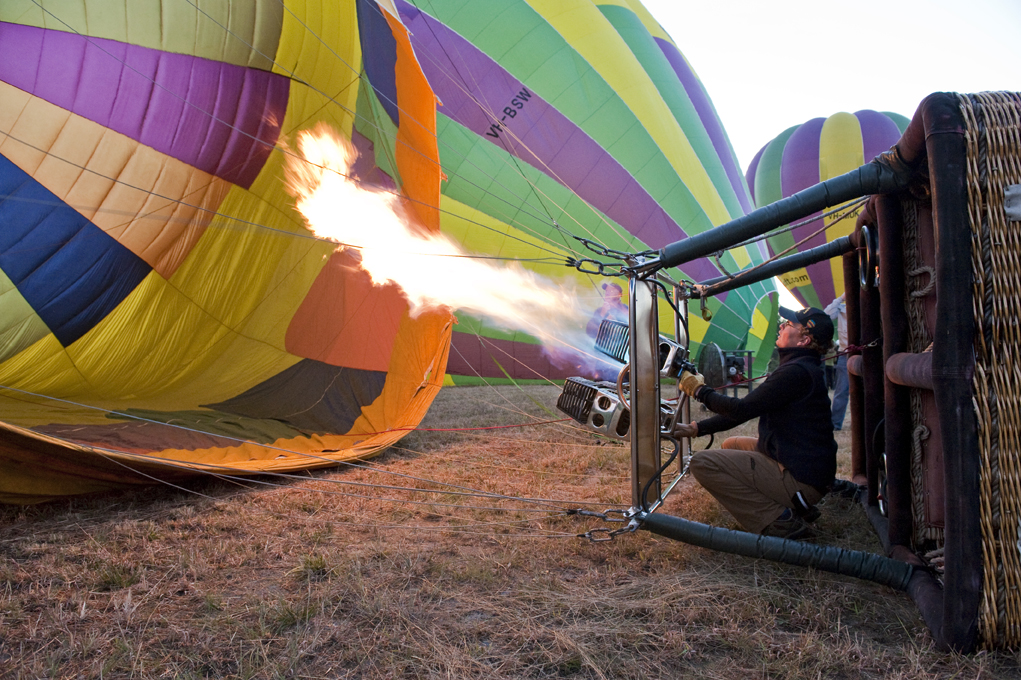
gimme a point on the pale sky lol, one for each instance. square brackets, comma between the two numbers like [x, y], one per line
[771, 64]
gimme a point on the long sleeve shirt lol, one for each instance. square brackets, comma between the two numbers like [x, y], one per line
[793, 408]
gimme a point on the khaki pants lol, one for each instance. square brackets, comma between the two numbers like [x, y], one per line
[753, 487]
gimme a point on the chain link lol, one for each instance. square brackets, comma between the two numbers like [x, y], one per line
[610, 534]
[600, 249]
[595, 267]
[605, 516]
[858, 348]
[603, 534]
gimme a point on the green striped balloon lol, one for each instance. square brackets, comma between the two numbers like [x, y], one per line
[807, 154]
[567, 118]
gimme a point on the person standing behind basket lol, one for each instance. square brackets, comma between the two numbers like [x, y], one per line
[841, 388]
[771, 484]
[613, 308]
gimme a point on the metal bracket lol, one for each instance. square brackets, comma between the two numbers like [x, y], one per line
[603, 534]
[643, 350]
[1012, 202]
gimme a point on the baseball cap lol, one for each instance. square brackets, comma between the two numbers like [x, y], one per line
[817, 322]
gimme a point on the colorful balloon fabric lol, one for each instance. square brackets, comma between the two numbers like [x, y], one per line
[803, 156]
[165, 311]
[565, 118]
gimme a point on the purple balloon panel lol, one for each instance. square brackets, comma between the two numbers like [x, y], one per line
[878, 133]
[485, 98]
[219, 118]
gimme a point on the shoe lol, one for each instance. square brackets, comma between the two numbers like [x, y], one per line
[799, 505]
[789, 526]
[845, 488]
[813, 513]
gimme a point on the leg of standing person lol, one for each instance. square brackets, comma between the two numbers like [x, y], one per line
[840, 393]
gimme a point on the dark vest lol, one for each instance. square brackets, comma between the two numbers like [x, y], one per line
[801, 435]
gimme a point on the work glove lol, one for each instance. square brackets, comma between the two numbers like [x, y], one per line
[685, 430]
[691, 382]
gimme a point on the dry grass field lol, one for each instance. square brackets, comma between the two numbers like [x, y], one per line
[449, 556]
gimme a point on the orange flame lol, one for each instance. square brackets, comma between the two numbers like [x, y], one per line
[431, 270]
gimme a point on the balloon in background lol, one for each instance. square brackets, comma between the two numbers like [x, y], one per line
[803, 156]
[164, 309]
[562, 119]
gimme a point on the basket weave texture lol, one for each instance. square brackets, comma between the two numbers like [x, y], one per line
[993, 121]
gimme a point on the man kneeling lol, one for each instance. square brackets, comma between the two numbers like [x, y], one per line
[771, 484]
